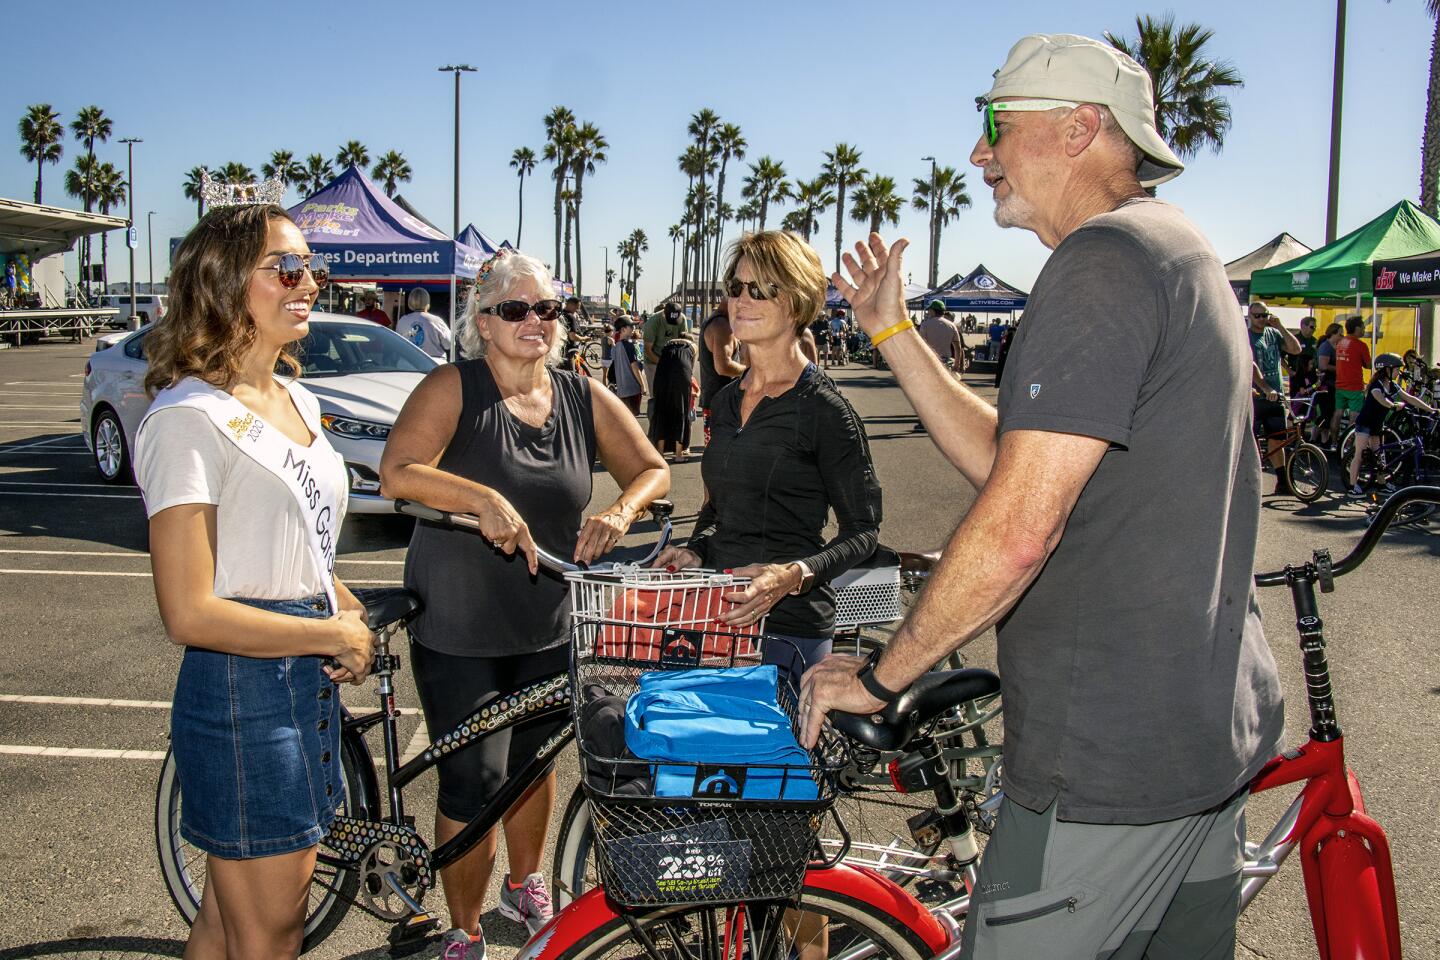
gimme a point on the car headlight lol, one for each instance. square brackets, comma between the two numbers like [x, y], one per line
[354, 429]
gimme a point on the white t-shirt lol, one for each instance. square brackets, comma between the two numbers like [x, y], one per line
[261, 550]
[426, 331]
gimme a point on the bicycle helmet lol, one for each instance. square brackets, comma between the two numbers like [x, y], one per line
[1390, 360]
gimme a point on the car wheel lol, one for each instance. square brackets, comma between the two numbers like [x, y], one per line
[112, 457]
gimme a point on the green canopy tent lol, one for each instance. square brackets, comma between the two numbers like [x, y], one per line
[1342, 271]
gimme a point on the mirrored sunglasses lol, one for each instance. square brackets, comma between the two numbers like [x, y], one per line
[291, 267]
[734, 287]
[513, 311]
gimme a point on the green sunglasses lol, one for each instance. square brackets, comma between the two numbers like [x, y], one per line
[988, 110]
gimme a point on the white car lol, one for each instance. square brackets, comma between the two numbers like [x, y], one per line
[360, 372]
[148, 307]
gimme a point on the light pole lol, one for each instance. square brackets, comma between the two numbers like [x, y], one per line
[150, 245]
[934, 190]
[130, 193]
[457, 69]
[1332, 203]
[607, 276]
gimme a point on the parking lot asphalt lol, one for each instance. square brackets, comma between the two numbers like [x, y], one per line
[86, 676]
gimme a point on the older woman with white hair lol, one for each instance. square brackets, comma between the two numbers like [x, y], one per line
[506, 436]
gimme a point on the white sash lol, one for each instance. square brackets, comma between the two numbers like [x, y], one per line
[312, 483]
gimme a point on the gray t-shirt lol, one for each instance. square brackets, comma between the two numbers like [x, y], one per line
[1138, 684]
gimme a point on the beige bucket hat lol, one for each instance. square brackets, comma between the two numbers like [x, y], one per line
[1063, 66]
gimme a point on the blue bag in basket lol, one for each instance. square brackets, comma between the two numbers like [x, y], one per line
[712, 727]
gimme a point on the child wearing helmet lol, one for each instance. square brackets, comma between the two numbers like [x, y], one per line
[1381, 396]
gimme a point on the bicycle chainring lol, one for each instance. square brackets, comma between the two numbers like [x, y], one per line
[380, 851]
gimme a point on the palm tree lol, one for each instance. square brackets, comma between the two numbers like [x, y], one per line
[234, 172]
[731, 143]
[317, 174]
[842, 171]
[523, 161]
[812, 197]
[110, 192]
[90, 124]
[676, 234]
[567, 197]
[747, 213]
[626, 251]
[766, 183]
[80, 182]
[283, 167]
[590, 147]
[1191, 110]
[876, 201]
[703, 127]
[693, 163]
[944, 198]
[639, 243]
[41, 136]
[559, 143]
[191, 189]
[391, 170]
[1430, 140]
[353, 154]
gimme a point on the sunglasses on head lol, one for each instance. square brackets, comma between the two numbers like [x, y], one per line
[988, 110]
[291, 267]
[513, 311]
[734, 287]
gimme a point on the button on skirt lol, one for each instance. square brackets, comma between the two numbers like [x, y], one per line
[257, 747]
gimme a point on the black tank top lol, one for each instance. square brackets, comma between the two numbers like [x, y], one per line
[710, 381]
[479, 602]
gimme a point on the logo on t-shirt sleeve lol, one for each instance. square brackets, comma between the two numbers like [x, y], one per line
[1034, 390]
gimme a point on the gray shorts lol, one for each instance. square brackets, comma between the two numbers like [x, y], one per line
[1049, 888]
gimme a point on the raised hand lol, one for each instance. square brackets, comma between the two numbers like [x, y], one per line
[877, 293]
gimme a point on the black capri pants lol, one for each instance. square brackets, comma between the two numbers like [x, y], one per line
[451, 687]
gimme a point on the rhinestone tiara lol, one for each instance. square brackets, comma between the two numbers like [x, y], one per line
[218, 193]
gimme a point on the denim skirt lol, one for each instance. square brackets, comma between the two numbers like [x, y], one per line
[257, 747]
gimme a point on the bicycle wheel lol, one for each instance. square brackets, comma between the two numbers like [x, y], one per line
[1426, 473]
[1367, 475]
[1308, 470]
[593, 353]
[182, 866]
[574, 870]
[760, 931]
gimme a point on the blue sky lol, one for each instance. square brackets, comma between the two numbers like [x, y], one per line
[210, 84]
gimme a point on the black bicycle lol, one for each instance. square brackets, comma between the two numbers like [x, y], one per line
[374, 858]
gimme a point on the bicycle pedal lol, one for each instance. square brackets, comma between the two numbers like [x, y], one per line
[415, 929]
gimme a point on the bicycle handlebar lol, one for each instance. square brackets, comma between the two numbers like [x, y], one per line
[1368, 540]
[660, 509]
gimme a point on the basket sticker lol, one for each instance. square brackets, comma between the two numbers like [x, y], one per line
[684, 864]
[719, 781]
[680, 649]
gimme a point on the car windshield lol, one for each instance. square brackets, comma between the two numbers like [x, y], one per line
[335, 349]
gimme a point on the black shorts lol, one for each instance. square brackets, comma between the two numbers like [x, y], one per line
[451, 687]
[1269, 417]
[1324, 405]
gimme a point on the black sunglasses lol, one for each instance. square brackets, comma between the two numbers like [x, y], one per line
[291, 267]
[734, 287]
[513, 311]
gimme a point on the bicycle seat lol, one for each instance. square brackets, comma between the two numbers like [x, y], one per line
[927, 698]
[385, 605]
[919, 562]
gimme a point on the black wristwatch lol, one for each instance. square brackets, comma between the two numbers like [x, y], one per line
[873, 686]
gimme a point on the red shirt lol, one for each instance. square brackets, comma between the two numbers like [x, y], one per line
[376, 315]
[1352, 357]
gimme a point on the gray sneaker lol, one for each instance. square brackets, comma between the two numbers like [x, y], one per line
[459, 945]
[528, 903]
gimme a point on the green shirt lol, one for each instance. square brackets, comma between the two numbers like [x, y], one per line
[1266, 348]
[659, 331]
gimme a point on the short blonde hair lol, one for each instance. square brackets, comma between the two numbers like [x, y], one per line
[506, 273]
[784, 259]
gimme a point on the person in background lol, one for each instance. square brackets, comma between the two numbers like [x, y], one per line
[941, 335]
[838, 354]
[1320, 433]
[661, 327]
[1352, 359]
[370, 310]
[1267, 340]
[1384, 394]
[626, 366]
[671, 397]
[719, 364]
[1302, 364]
[994, 336]
[423, 328]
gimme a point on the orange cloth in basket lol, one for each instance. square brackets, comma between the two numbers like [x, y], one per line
[631, 634]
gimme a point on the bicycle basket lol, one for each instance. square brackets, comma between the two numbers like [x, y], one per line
[715, 846]
[865, 596]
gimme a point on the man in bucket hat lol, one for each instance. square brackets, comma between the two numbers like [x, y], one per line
[1112, 541]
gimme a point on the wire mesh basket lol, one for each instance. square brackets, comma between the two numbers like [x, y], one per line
[724, 843]
[867, 595]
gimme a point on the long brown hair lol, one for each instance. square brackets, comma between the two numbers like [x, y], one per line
[208, 327]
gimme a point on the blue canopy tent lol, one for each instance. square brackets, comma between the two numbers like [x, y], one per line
[367, 237]
[833, 298]
[472, 237]
[979, 291]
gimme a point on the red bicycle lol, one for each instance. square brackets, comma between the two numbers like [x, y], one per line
[850, 911]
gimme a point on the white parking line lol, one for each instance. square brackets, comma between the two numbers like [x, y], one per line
[417, 743]
[76, 753]
[37, 443]
[53, 483]
[365, 583]
[85, 573]
[52, 394]
[8, 424]
[92, 496]
[138, 555]
[36, 406]
[127, 704]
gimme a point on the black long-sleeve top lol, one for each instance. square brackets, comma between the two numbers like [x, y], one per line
[772, 484]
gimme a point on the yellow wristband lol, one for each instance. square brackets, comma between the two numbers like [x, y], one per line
[889, 332]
